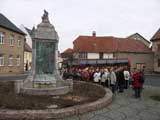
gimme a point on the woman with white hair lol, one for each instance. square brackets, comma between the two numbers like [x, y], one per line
[96, 76]
[113, 79]
[104, 76]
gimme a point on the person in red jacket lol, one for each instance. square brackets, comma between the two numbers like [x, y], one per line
[137, 83]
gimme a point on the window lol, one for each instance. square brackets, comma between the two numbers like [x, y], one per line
[100, 55]
[2, 38]
[18, 60]
[1, 60]
[83, 55]
[11, 40]
[158, 62]
[10, 60]
[19, 41]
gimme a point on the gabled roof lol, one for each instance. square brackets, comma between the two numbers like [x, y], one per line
[108, 44]
[27, 47]
[68, 50]
[140, 36]
[6, 23]
[28, 30]
[156, 36]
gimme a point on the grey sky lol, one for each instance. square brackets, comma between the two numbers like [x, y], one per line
[72, 18]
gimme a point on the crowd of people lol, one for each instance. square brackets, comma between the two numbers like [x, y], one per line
[117, 78]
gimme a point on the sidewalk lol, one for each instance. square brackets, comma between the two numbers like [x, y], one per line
[126, 107]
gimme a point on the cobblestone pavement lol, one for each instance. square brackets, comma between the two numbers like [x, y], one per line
[126, 107]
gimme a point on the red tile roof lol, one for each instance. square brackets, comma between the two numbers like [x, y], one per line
[27, 48]
[156, 36]
[108, 44]
[68, 50]
[131, 45]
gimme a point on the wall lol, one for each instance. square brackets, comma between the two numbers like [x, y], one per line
[93, 56]
[138, 58]
[28, 57]
[156, 55]
[107, 55]
[154, 46]
[7, 50]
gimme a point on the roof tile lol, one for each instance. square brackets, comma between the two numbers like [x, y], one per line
[108, 44]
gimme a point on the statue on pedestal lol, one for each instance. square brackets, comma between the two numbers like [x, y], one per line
[45, 17]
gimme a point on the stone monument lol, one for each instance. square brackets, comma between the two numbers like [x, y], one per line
[44, 78]
[44, 47]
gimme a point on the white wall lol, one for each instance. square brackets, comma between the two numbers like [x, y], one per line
[107, 55]
[96, 55]
[93, 56]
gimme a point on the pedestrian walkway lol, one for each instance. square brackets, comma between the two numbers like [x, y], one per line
[126, 107]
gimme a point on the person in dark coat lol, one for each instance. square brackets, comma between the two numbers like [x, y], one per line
[137, 83]
[120, 79]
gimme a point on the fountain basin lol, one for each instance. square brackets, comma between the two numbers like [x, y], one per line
[52, 113]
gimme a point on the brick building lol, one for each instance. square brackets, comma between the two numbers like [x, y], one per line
[110, 50]
[156, 49]
[11, 47]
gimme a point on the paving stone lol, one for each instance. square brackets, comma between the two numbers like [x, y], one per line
[134, 118]
[115, 115]
[129, 113]
[138, 105]
[148, 116]
[150, 103]
[87, 116]
[154, 111]
[114, 106]
[124, 107]
[71, 118]
[98, 117]
[102, 111]
[157, 105]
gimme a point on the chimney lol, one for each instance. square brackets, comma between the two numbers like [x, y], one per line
[94, 33]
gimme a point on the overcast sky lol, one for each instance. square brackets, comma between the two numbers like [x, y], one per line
[72, 18]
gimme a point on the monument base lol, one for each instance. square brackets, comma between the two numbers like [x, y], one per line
[31, 86]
